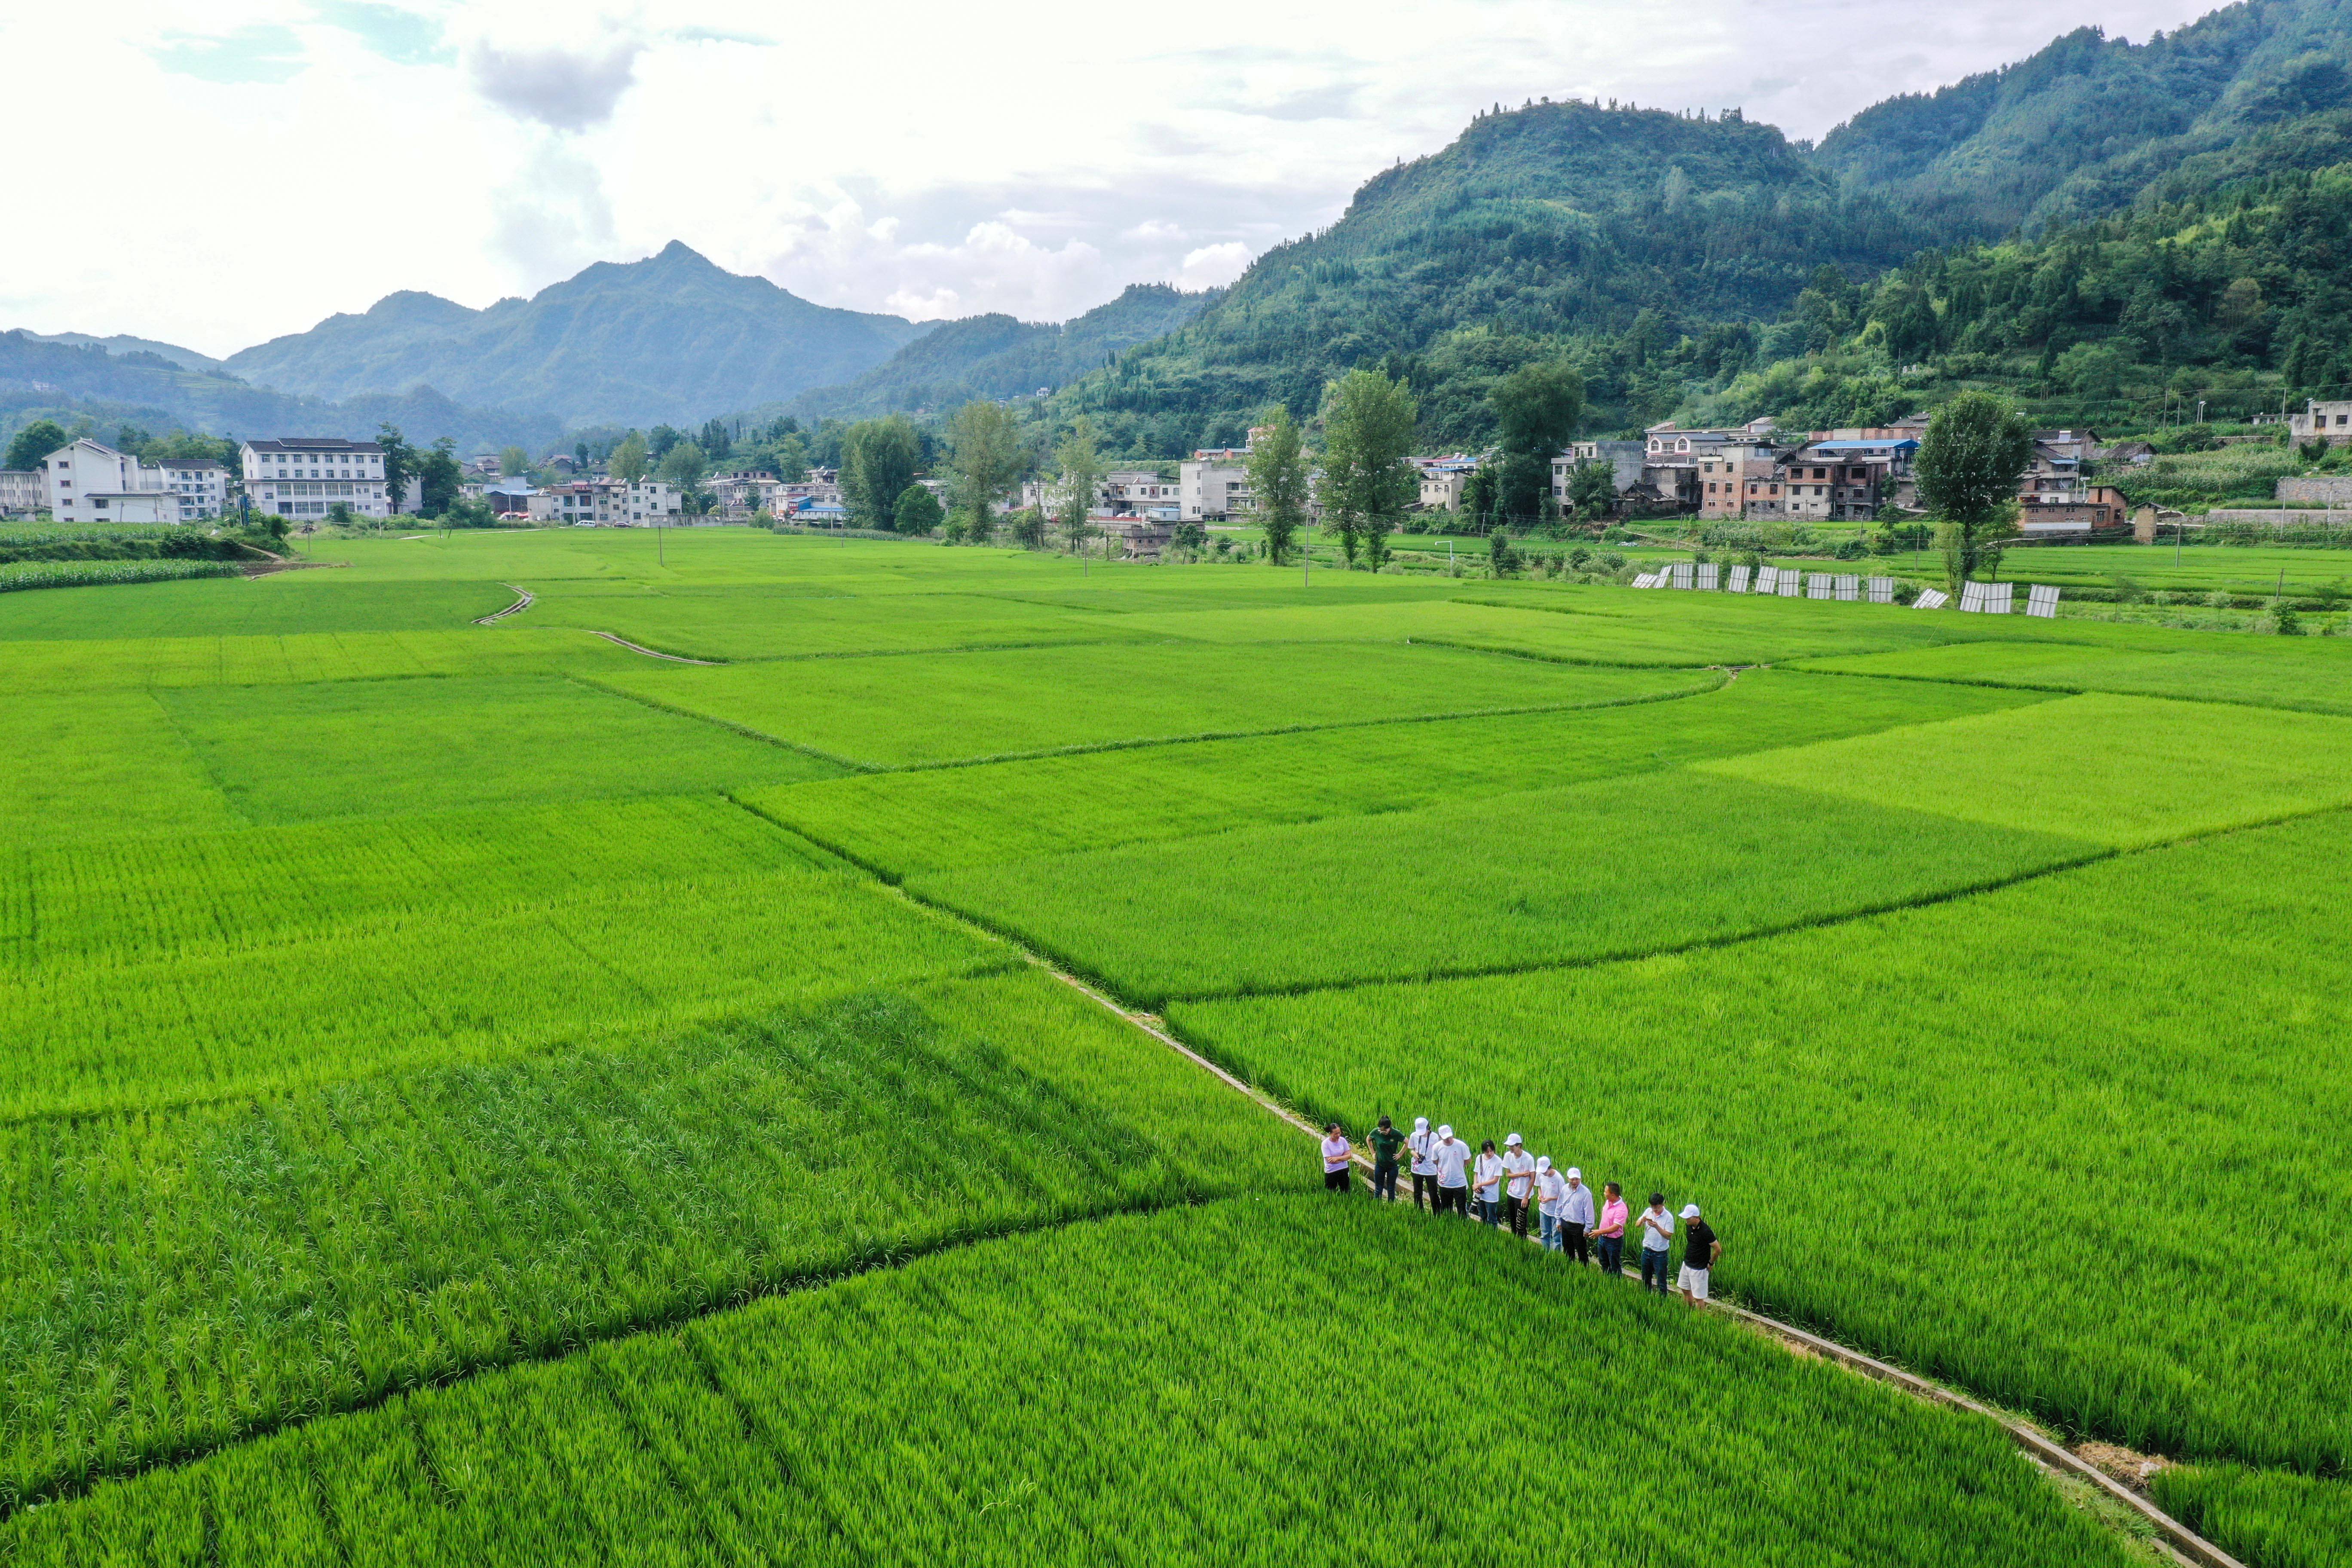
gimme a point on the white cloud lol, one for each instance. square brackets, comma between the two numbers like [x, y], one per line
[934, 160]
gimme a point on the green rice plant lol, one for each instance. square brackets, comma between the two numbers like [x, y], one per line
[284, 603]
[291, 752]
[1228, 1383]
[2312, 675]
[79, 766]
[918, 709]
[2072, 1144]
[1593, 871]
[909, 823]
[453, 983]
[753, 622]
[22, 574]
[73, 665]
[2120, 771]
[81, 901]
[2267, 1519]
[179, 1279]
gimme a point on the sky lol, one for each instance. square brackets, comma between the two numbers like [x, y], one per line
[244, 168]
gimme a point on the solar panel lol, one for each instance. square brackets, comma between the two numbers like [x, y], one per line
[1768, 580]
[1973, 598]
[1997, 598]
[1820, 585]
[1789, 583]
[1739, 575]
[1646, 580]
[1931, 599]
[2042, 599]
[1849, 589]
[1881, 590]
[1682, 574]
[1710, 578]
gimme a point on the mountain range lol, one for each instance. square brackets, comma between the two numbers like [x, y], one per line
[1666, 253]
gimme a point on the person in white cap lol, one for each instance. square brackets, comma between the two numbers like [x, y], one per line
[1520, 1167]
[1424, 1144]
[1700, 1250]
[1450, 1157]
[1550, 1188]
[1576, 1216]
[1486, 1184]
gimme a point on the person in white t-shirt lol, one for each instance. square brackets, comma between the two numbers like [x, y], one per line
[1452, 1156]
[1657, 1223]
[1422, 1142]
[1336, 1149]
[1550, 1187]
[1519, 1167]
[1487, 1185]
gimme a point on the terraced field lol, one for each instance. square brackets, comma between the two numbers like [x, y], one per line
[482, 1092]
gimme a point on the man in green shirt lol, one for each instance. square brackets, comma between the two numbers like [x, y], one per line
[1386, 1141]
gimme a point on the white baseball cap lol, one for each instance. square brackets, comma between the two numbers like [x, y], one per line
[1543, 1162]
[1512, 1139]
[1446, 1132]
[1421, 1124]
[1690, 1211]
[1576, 1174]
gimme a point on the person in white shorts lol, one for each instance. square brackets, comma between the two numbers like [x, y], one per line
[1700, 1250]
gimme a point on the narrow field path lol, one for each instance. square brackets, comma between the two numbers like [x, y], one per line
[650, 653]
[523, 603]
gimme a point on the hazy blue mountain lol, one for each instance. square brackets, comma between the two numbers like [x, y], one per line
[997, 356]
[124, 344]
[673, 338]
[72, 383]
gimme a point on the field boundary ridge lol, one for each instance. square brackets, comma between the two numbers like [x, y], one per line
[523, 602]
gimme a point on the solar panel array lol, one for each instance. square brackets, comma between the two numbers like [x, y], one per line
[1976, 598]
[1985, 598]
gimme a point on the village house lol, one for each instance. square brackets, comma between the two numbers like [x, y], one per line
[89, 481]
[302, 476]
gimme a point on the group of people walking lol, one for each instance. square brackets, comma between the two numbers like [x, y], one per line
[1507, 1188]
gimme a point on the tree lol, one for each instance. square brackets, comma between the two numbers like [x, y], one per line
[715, 441]
[1479, 498]
[438, 478]
[1537, 409]
[878, 459]
[1029, 528]
[661, 439]
[630, 462]
[792, 458]
[1368, 483]
[984, 441]
[400, 460]
[1968, 468]
[1592, 489]
[35, 442]
[918, 511]
[1279, 482]
[514, 461]
[1080, 465]
[687, 466]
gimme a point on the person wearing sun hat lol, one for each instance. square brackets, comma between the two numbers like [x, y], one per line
[1424, 1144]
[1520, 1167]
[1575, 1216]
[1700, 1250]
[1451, 1156]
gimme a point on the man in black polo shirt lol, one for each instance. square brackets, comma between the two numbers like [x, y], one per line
[1700, 1249]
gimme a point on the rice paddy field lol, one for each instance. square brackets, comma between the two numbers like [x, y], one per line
[492, 1093]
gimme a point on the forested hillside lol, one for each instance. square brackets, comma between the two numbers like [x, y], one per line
[997, 356]
[1541, 226]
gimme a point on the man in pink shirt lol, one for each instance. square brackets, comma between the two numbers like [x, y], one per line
[1609, 1236]
[1335, 1158]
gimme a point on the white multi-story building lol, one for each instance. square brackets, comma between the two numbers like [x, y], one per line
[200, 484]
[89, 481]
[22, 492]
[1215, 484]
[302, 476]
[607, 501]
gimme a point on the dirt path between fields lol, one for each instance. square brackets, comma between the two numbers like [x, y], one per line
[649, 653]
[2181, 1542]
[524, 601]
